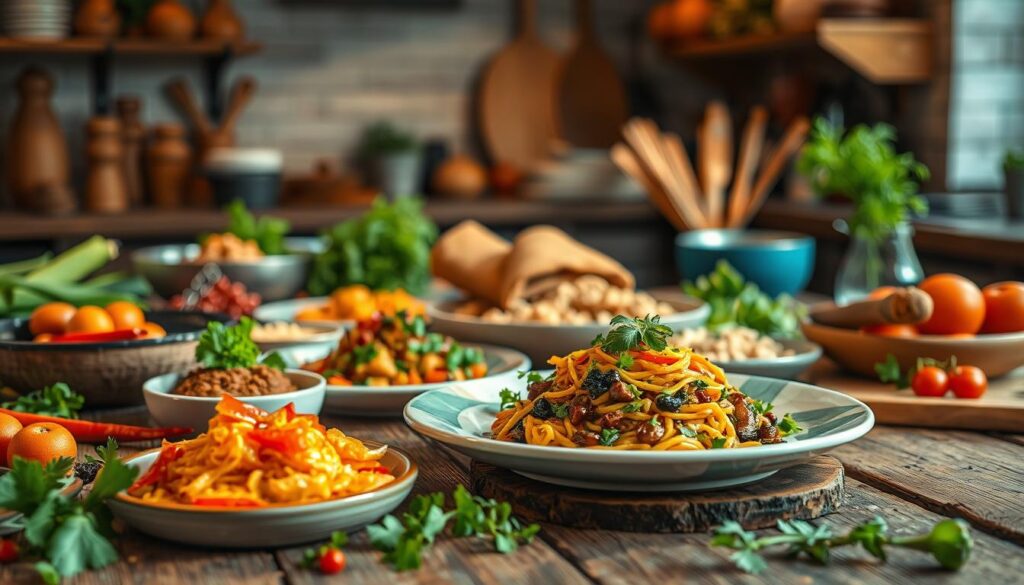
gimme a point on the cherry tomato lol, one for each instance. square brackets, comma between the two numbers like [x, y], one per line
[930, 381]
[968, 382]
[332, 561]
[8, 551]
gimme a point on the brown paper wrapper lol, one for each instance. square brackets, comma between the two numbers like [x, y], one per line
[471, 257]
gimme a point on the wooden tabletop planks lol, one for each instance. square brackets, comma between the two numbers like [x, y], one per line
[912, 477]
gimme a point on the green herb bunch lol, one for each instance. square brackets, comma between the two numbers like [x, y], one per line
[949, 542]
[403, 541]
[268, 232]
[231, 346]
[736, 302]
[864, 166]
[68, 534]
[58, 400]
[387, 248]
[628, 333]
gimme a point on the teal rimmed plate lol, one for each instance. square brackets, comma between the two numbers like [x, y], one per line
[461, 417]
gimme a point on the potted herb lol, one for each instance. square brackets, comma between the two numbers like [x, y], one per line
[1013, 167]
[392, 159]
[862, 165]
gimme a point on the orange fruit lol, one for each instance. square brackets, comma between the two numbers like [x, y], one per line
[91, 319]
[43, 442]
[153, 330]
[688, 19]
[1004, 307]
[959, 305]
[890, 330]
[50, 318]
[126, 315]
[9, 426]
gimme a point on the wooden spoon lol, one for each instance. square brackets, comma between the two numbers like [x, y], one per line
[626, 160]
[777, 160]
[179, 92]
[715, 159]
[241, 94]
[746, 166]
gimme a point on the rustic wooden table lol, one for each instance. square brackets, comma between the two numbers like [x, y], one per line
[912, 477]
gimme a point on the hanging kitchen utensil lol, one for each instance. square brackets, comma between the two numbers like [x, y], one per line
[746, 165]
[516, 110]
[591, 98]
[715, 159]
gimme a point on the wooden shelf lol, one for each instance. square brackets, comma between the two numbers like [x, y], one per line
[87, 46]
[885, 50]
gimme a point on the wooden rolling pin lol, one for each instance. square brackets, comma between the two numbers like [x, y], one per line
[904, 306]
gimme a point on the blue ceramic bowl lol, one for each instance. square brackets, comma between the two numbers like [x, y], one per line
[778, 262]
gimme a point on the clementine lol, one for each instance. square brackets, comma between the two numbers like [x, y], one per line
[959, 305]
[126, 315]
[43, 442]
[9, 426]
[50, 318]
[91, 319]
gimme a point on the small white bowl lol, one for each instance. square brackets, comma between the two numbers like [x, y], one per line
[175, 410]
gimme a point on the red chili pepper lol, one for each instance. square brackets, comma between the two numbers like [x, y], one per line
[156, 472]
[97, 432]
[119, 335]
[279, 440]
[227, 502]
[654, 359]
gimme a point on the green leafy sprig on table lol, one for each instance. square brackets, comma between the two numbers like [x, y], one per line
[949, 541]
[68, 534]
[628, 333]
[386, 248]
[268, 232]
[403, 541]
[224, 347]
[864, 167]
[735, 302]
[890, 371]
[57, 400]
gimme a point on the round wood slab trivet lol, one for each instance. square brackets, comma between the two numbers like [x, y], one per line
[804, 491]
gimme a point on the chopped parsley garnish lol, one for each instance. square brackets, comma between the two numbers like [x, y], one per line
[624, 362]
[364, 354]
[608, 437]
[634, 406]
[222, 347]
[699, 384]
[560, 409]
[634, 333]
[686, 431]
[530, 376]
[718, 443]
[508, 398]
[788, 425]
[431, 343]
[760, 407]
[635, 391]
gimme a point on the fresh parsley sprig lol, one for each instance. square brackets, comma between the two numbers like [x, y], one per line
[58, 400]
[949, 541]
[628, 333]
[403, 541]
[224, 347]
[508, 398]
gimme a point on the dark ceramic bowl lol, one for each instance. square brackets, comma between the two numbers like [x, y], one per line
[106, 374]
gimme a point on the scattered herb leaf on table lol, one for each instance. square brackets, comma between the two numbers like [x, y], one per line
[57, 400]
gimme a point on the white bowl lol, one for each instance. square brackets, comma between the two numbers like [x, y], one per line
[786, 367]
[540, 341]
[461, 418]
[268, 527]
[195, 412]
[503, 367]
[323, 336]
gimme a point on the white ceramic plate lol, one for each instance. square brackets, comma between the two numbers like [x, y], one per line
[175, 410]
[461, 419]
[541, 341]
[269, 527]
[503, 367]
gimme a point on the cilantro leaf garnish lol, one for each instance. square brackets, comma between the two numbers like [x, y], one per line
[508, 398]
[634, 333]
[608, 437]
[718, 443]
[788, 425]
[560, 409]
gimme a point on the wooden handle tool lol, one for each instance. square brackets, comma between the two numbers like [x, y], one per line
[181, 95]
[746, 166]
[715, 159]
[904, 306]
[626, 160]
[241, 93]
[777, 160]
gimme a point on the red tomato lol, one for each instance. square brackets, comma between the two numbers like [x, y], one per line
[332, 561]
[1004, 307]
[8, 551]
[968, 382]
[959, 305]
[930, 381]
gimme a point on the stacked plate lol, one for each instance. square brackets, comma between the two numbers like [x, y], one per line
[35, 19]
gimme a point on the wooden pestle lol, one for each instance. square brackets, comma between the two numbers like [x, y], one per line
[904, 306]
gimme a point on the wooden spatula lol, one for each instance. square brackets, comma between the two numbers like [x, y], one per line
[591, 98]
[715, 156]
[516, 110]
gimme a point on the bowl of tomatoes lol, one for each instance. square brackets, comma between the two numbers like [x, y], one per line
[983, 327]
[103, 353]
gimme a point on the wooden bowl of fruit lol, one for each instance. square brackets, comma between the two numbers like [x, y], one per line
[103, 353]
[981, 327]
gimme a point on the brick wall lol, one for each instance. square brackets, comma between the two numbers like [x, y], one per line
[328, 70]
[986, 90]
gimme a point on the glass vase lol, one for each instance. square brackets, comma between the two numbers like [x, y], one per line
[869, 264]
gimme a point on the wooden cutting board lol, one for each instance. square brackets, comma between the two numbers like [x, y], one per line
[1000, 409]
[516, 112]
[591, 98]
[804, 491]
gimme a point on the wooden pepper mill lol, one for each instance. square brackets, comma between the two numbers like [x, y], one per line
[105, 187]
[133, 133]
[97, 18]
[221, 22]
[168, 165]
[37, 153]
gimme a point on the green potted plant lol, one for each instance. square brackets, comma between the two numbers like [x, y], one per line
[1013, 168]
[392, 159]
[863, 166]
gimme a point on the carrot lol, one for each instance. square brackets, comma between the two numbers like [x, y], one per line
[478, 370]
[97, 432]
[435, 376]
